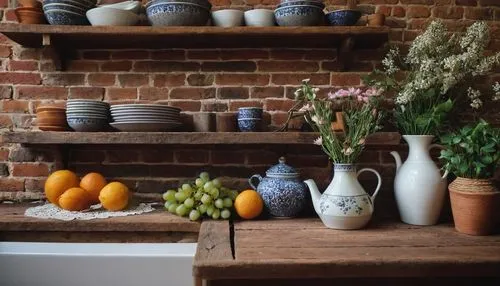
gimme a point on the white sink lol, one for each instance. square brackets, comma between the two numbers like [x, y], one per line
[75, 264]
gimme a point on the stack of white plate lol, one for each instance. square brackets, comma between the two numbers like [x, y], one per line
[145, 117]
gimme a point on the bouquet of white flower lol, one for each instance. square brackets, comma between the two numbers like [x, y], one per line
[438, 70]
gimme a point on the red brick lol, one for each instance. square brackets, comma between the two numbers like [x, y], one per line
[244, 54]
[418, 12]
[192, 93]
[97, 55]
[12, 184]
[428, 2]
[130, 55]
[30, 170]
[63, 79]
[234, 105]
[321, 54]
[153, 93]
[377, 1]
[133, 80]
[296, 79]
[410, 35]
[267, 91]
[479, 13]
[221, 2]
[187, 105]
[118, 156]
[101, 79]
[200, 79]
[446, 12]
[191, 156]
[4, 155]
[87, 156]
[489, 3]
[396, 23]
[165, 66]
[418, 24]
[288, 54]
[158, 155]
[261, 157]
[95, 93]
[121, 93]
[232, 92]
[242, 79]
[22, 120]
[214, 107]
[279, 104]
[5, 92]
[229, 66]
[386, 10]
[227, 157]
[396, 35]
[82, 66]
[34, 185]
[168, 55]
[398, 11]
[167, 80]
[203, 55]
[301, 161]
[5, 51]
[466, 2]
[41, 92]
[23, 65]
[5, 121]
[20, 78]
[281, 66]
[15, 106]
[345, 79]
[116, 66]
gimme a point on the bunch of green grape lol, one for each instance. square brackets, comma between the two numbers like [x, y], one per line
[204, 197]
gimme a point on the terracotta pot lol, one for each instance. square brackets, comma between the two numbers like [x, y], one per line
[50, 107]
[50, 113]
[29, 16]
[51, 121]
[376, 20]
[225, 122]
[475, 204]
[30, 3]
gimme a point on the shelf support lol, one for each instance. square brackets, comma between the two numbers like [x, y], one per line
[344, 53]
[58, 55]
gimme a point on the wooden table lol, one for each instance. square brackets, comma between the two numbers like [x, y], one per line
[156, 226]
[302, 251]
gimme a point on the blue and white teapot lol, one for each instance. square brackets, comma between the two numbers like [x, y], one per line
[284, 194]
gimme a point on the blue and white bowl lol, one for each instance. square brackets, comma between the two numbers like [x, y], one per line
[65, 7]
[343, 17]
[299, 15]
[85, 124]
[203, 3]
[308, 3]
[250, 113]
[77, 3]
[250, 125]
[62, 17]
[177, 14]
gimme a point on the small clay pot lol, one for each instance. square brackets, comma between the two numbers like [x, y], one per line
[29, 16]
[51, 121]
[225, 122]
[204, 122]
[30, 3]
[376, 20]
[475, 205]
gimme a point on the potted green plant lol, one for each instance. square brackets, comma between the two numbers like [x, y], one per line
[428, 83]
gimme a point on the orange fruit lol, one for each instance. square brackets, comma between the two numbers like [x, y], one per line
[58, 182]
[248, 204]
[74, 199]
[93, 184]
[114, 196]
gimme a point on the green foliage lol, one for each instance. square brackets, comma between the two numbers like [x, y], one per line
[473, 151]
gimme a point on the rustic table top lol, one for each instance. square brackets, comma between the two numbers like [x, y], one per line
[304, 248]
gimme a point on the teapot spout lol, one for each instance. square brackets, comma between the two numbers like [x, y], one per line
[315, 194]
[397, 157]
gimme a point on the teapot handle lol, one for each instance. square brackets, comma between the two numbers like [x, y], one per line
[379, 184]
[258, 178]
[442, 148]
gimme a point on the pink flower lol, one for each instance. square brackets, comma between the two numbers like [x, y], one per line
[372, 92]
[354, 91]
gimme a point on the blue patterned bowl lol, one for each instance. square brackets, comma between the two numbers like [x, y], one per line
[343, 17]
[295, 3]
[203, 3]
[299, 15]
[86, 5]
[64, 7]
[84, 124]
[250, 113]
[177, 14]
[250, 125]
[61, 17]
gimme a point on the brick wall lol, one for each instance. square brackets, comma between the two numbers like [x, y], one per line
[199, 80]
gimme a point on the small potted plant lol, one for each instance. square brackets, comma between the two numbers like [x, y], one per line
[472, 154]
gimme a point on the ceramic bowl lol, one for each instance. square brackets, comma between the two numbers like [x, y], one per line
[343, 17]
[50, 107]
[250, 125]
[65, 7]
[87, 124]
[51, 121]
[61, 17]
[203, 3]
[131, 6]
[227, 18]
[103, 16]
[295, 3]
[76, 3]
[260, 18]
[177, 14]
[299, 15]
[29, 16]
[30, 3]
[250, 113]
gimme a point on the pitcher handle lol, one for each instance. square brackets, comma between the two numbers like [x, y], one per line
[379, 184]
[442, 148]
[255, 177]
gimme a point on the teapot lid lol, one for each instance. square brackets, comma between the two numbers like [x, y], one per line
[282, 170]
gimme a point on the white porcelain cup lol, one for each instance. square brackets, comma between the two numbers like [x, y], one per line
[227, 18]
[260, 18]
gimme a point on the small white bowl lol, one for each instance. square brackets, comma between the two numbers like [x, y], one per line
[227, 18]
[104, 16]
[132, 6]
[260, 18]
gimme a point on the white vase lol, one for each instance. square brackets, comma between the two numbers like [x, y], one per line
[419, 187]
[344, 204]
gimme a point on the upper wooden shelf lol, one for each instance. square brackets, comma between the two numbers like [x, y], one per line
[146, 37]
[189, 138]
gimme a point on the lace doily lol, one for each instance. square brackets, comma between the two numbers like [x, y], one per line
[50, 211]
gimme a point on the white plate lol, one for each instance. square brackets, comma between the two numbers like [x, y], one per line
[144, 126]
[142, 108]
[141, 117]
[146, 111]
[149, 120]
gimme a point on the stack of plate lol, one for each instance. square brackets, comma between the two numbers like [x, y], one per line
[145, 117]
[87, 115]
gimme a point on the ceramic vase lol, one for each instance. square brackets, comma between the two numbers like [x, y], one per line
[419, 187]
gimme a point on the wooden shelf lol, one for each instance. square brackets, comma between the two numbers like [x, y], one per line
[146, 37]
[187, 138]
